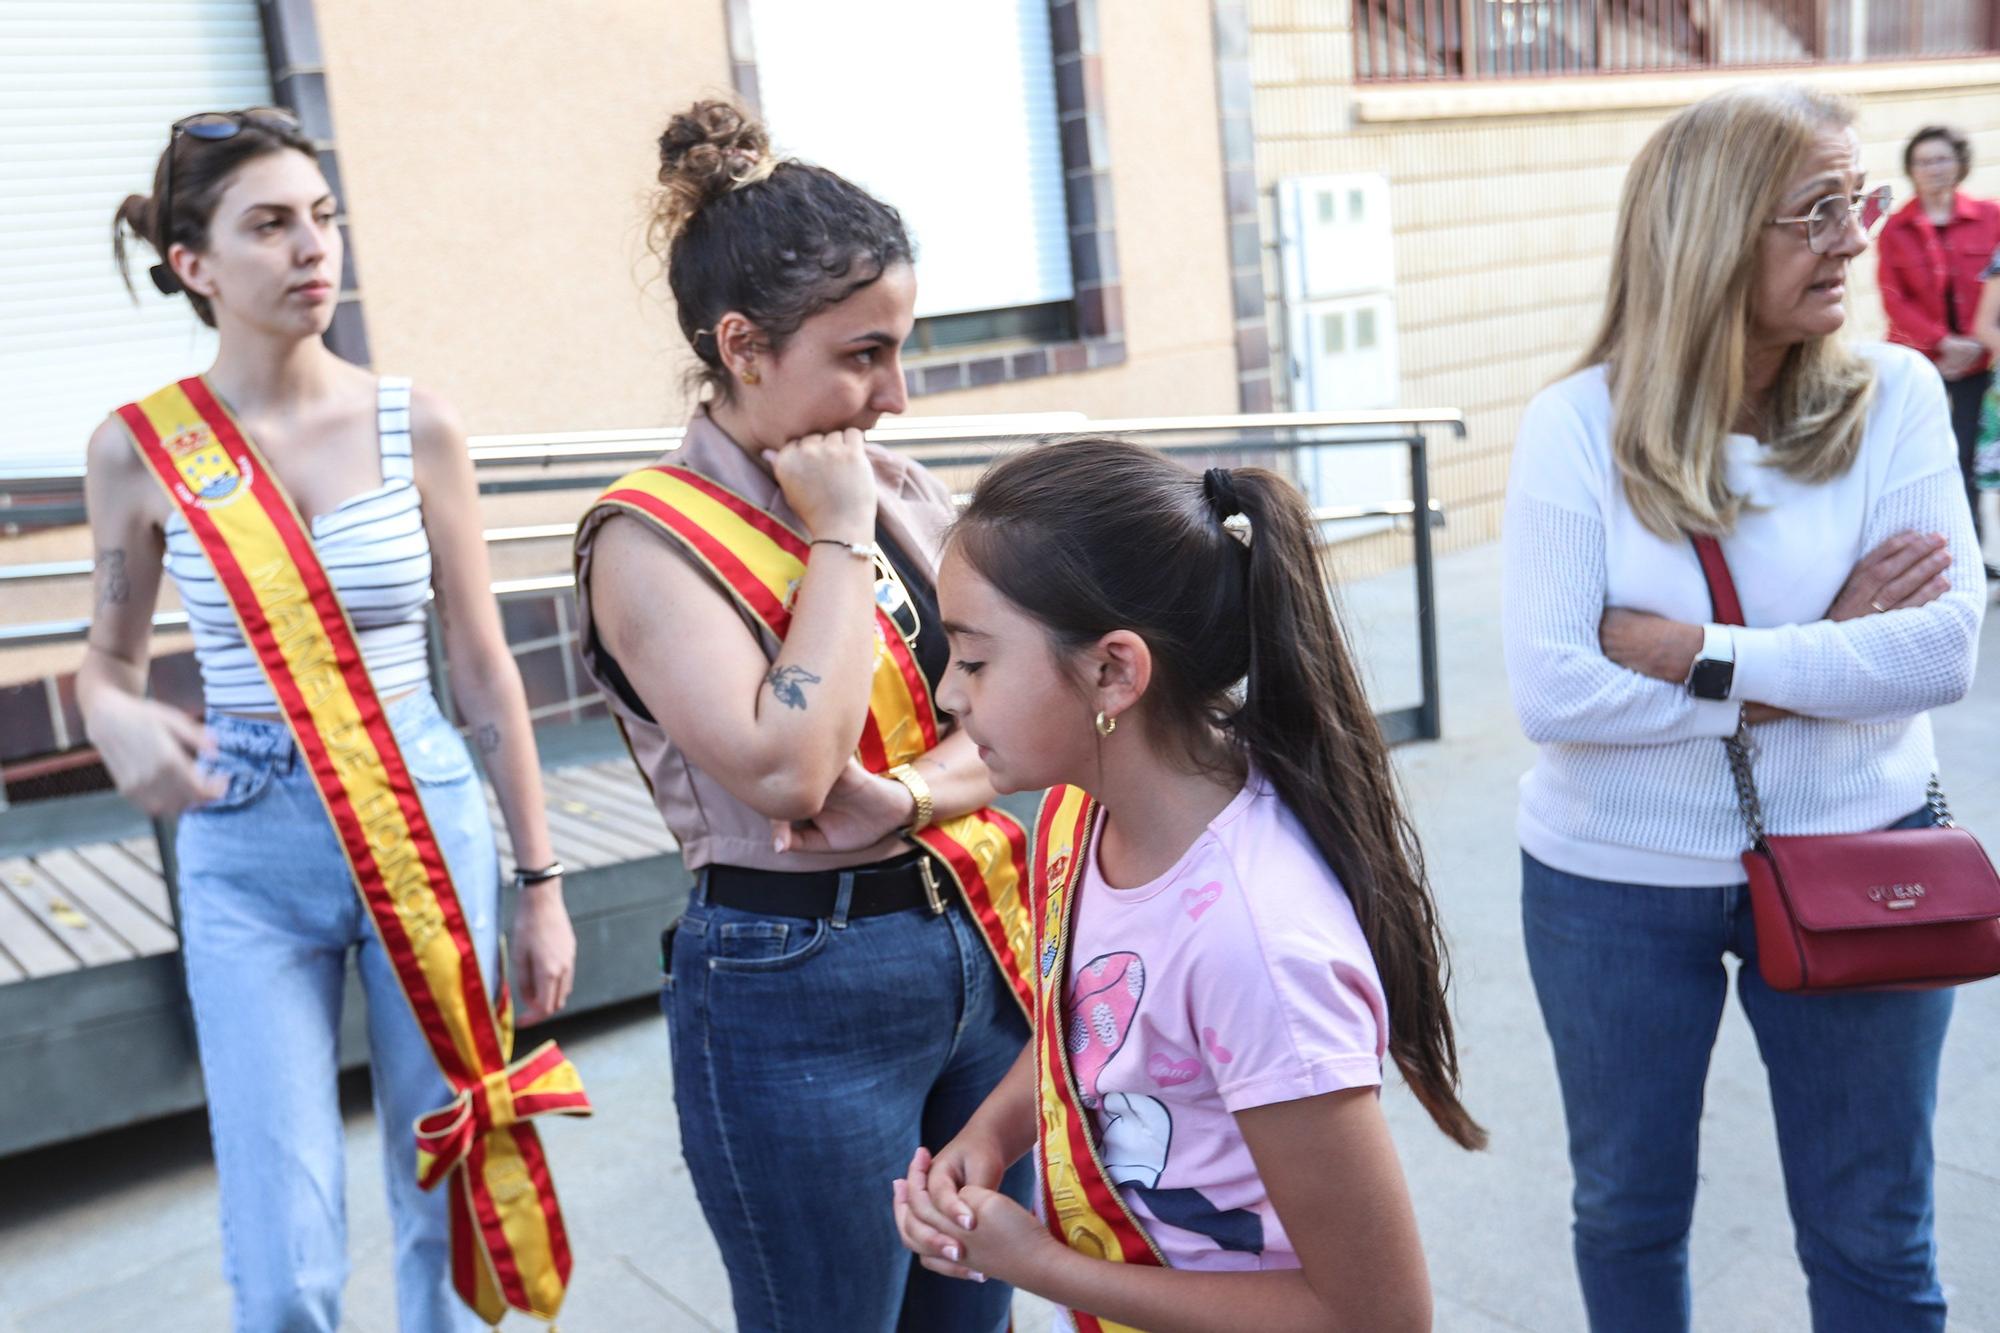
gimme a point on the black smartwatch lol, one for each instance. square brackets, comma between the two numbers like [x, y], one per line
[1714, 672]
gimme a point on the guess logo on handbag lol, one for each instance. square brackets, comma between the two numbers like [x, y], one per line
[1896, 897]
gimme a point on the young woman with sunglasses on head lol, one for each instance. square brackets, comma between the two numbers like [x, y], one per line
[848, 980]
[381, 486]
[1718, 400]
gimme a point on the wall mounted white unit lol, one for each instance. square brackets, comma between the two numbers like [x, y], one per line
[1343, 353]
[1334, 236]
[1344, 357]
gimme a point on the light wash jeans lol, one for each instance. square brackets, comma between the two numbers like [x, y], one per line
[1631, 984]
[269, 914]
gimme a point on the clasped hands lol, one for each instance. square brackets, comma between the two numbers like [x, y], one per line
[1908, 570]
[951, 1215]
[862, 809]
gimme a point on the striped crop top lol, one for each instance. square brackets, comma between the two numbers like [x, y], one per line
[376, 552]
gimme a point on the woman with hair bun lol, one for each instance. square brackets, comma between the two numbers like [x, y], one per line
[284, 479]
[849, 978]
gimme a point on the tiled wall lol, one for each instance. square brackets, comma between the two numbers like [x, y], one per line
[1502, 226]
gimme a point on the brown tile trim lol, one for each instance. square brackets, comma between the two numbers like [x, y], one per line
[298, 83]
[1093, 240]
[1254, 387]
[983, 366]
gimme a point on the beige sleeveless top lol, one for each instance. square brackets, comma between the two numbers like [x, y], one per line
[713, 826]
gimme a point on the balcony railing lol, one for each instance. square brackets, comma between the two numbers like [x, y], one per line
[1423, 40]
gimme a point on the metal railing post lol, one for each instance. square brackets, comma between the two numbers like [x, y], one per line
[1430, 714]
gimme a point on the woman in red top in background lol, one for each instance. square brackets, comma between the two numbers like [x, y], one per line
[1935, 250]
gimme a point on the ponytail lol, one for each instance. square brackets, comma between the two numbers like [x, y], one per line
[1306, 723]
[136, 216]
[1221, 576]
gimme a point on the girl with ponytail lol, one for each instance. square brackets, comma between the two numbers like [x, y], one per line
[1234, 924]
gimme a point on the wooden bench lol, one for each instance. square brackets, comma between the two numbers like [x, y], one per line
[95, 1031]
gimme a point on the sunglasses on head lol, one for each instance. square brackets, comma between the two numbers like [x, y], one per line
[210, 127]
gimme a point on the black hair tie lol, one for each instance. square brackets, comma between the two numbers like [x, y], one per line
[1218, 487]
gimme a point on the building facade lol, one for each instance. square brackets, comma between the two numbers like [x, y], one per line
[1105, 195]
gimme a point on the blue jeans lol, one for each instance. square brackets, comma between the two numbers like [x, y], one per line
[810, 1059]
[1631, 984]
[269, 914]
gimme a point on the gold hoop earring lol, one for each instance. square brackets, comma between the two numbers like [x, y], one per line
[751, 377]
[1106, 724]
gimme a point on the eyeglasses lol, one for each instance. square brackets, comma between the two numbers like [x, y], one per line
[210, 127]
[1826, 222]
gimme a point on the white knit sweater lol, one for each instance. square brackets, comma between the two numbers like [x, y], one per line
[1632, 782]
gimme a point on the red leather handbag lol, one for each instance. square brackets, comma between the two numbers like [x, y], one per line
[1894, 909]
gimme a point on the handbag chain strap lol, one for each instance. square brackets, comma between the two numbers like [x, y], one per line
[1728, 611]
[1746, 785]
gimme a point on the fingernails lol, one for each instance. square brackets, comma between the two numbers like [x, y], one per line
[965, 1220]
[777, 844]
[977, 1277]
[953, 1253]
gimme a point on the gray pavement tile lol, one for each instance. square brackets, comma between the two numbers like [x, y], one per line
[1969, 1244]
[173, 1296]
[1756, 1287]
[1451, 1315]
[103, 1210]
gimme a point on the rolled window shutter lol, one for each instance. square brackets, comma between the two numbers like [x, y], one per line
[87, 91]
[945, 109]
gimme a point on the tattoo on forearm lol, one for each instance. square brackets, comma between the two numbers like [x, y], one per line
[114, 586]
[788, 684]
[487, 738]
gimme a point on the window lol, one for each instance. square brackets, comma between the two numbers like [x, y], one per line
[949, 113]
[1409, 40]
[90, 88]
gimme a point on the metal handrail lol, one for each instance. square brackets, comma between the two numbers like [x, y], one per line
[955, 442]
[62, 569]
[916, 434]
[39, 634]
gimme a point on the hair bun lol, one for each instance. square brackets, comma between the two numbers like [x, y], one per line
[708, 150]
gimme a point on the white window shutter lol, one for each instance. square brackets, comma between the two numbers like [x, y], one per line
[87, 91]
[945, 109]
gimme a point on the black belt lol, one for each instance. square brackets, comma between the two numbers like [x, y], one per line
[901, 885]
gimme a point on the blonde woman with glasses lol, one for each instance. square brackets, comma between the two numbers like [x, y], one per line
[1717, 398]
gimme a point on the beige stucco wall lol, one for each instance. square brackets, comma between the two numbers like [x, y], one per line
[497, 157]
[1503, 201]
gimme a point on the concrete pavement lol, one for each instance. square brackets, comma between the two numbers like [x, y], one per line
[120, 1233]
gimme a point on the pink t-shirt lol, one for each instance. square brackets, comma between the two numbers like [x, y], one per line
[1239, 978]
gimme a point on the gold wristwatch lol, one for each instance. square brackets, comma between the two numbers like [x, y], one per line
[920, 792]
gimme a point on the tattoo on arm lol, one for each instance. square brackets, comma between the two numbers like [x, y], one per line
[114, 586]
[788, 684]
[487, 738]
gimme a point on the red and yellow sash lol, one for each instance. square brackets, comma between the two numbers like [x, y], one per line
[508, 1244]
[761, 561]
[1079, 1202]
